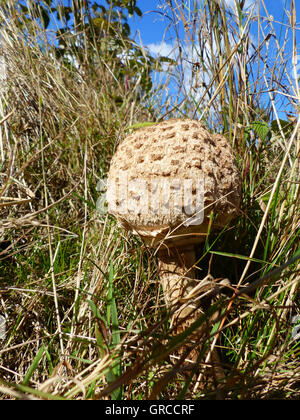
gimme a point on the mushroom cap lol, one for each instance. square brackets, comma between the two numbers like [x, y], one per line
[166, 179]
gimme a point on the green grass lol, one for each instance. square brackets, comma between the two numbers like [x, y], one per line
[85, 315]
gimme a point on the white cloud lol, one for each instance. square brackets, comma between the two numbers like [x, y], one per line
[188, 73]
[182, 75]
[162, 49]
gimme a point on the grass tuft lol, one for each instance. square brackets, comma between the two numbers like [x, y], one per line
[84, 313]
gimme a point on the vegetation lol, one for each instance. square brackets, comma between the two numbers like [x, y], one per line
[84, 316]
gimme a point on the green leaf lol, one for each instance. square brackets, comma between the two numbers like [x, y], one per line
[34, 365]
[100, 341]
[112, 313]
[138, 11]
[164, 59]
[112, 317]
[265, 198]
[40, 394]
[140, 125]
[261, 129]
[94, 309]
[285, 125]
[238, 256]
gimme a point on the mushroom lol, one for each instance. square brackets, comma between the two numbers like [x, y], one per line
[163, 184]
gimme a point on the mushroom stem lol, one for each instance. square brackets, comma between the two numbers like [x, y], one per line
[178, 277]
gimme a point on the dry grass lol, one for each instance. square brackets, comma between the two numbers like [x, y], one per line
[84, 313]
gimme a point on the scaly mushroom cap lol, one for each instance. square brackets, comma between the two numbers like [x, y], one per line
[166, 179]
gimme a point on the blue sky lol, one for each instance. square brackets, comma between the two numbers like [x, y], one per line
[151, 28]
[151, 31]
[151, 25]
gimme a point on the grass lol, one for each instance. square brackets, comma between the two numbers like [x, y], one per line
[85, 316]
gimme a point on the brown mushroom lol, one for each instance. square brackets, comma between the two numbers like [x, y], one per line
[164, 182]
